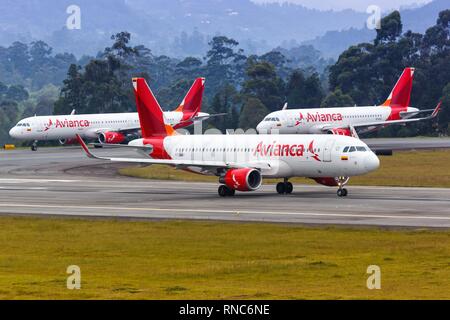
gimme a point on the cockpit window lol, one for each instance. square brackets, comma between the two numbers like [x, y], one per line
[346, 149]
[361, 149]
[352, 149]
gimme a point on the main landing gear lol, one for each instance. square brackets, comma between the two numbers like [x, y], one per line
[224, 191]
[285, 187]
[342, 181]
[34, 146]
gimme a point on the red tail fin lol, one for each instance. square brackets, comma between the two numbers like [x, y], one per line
[192, 102]
[151, 116]
[401, 94]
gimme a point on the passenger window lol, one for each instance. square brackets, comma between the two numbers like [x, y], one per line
[352, 149]
[346, 149]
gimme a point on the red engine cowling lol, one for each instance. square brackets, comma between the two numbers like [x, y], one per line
[67, 141]
[327, 181]
[246, 179]
[340, 132]
[111, 137]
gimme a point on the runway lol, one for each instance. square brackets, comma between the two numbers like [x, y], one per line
[63, 182]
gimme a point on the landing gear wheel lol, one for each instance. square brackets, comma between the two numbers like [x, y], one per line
[289, 187]
[224, 191]
[342, 181]
[342, 192]
[281, 188]
[34, 147]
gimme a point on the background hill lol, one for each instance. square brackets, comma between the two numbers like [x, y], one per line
[183, 27]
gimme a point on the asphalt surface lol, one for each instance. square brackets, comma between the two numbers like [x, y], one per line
[63, 182]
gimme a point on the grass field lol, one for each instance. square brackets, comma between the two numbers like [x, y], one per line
[206, 260]
[412, 168]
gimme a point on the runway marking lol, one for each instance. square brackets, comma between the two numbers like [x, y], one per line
[338, 215]
[35, 180]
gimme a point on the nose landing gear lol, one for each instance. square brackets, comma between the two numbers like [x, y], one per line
[34, 146]
[285, 187]
[342, 181]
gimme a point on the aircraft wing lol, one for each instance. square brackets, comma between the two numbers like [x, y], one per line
[384, 123]
[208, 165]
[148, 148]
[127, 130]
[202, 118]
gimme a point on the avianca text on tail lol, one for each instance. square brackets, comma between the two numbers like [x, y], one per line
[241, 161]
[395, 110]
[106, 128]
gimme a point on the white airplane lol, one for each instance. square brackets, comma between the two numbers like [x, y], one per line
[395, 110]
[109, 127]
[241, 161]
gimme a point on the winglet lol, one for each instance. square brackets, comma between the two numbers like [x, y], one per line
[436, 110]
[85, 147]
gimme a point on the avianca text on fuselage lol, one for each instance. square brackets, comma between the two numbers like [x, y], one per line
[68, 123]
[279, 150]
[321, 117]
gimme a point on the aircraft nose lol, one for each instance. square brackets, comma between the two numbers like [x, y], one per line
[261, 128]
[13, 133]
[371, 162]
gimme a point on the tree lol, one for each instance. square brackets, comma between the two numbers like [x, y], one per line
[252, 113]
[17, 93]
[71, 93]
[225, 101]
[224, 63]
[304, 92]
[40, 52]
[337, 99]
[391, 28]
[264, 84]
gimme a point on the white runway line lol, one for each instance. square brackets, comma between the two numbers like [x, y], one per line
[34, 180]
[335, 215]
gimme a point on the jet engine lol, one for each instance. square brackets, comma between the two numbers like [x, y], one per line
[245, 179]
[67, 141]
[340, 131]
[111, 137]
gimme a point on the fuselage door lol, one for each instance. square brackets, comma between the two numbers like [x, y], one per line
[326, 152]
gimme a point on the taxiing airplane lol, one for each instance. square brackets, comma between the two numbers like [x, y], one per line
[395, 110]
[109, 127]
[241, 161]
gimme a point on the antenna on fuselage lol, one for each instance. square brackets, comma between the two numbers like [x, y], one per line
[73, 112]
[285, 106]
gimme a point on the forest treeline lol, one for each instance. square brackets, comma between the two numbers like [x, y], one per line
[246, 87]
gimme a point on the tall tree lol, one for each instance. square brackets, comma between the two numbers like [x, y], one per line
[264, 84]
[252, 113]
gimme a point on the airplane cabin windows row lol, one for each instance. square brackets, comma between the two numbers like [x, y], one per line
[214, 149]
[23, 125]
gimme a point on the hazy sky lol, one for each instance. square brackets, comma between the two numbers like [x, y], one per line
[360, 5]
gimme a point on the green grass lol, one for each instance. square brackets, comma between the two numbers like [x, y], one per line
[217, 260]
[409, 169]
